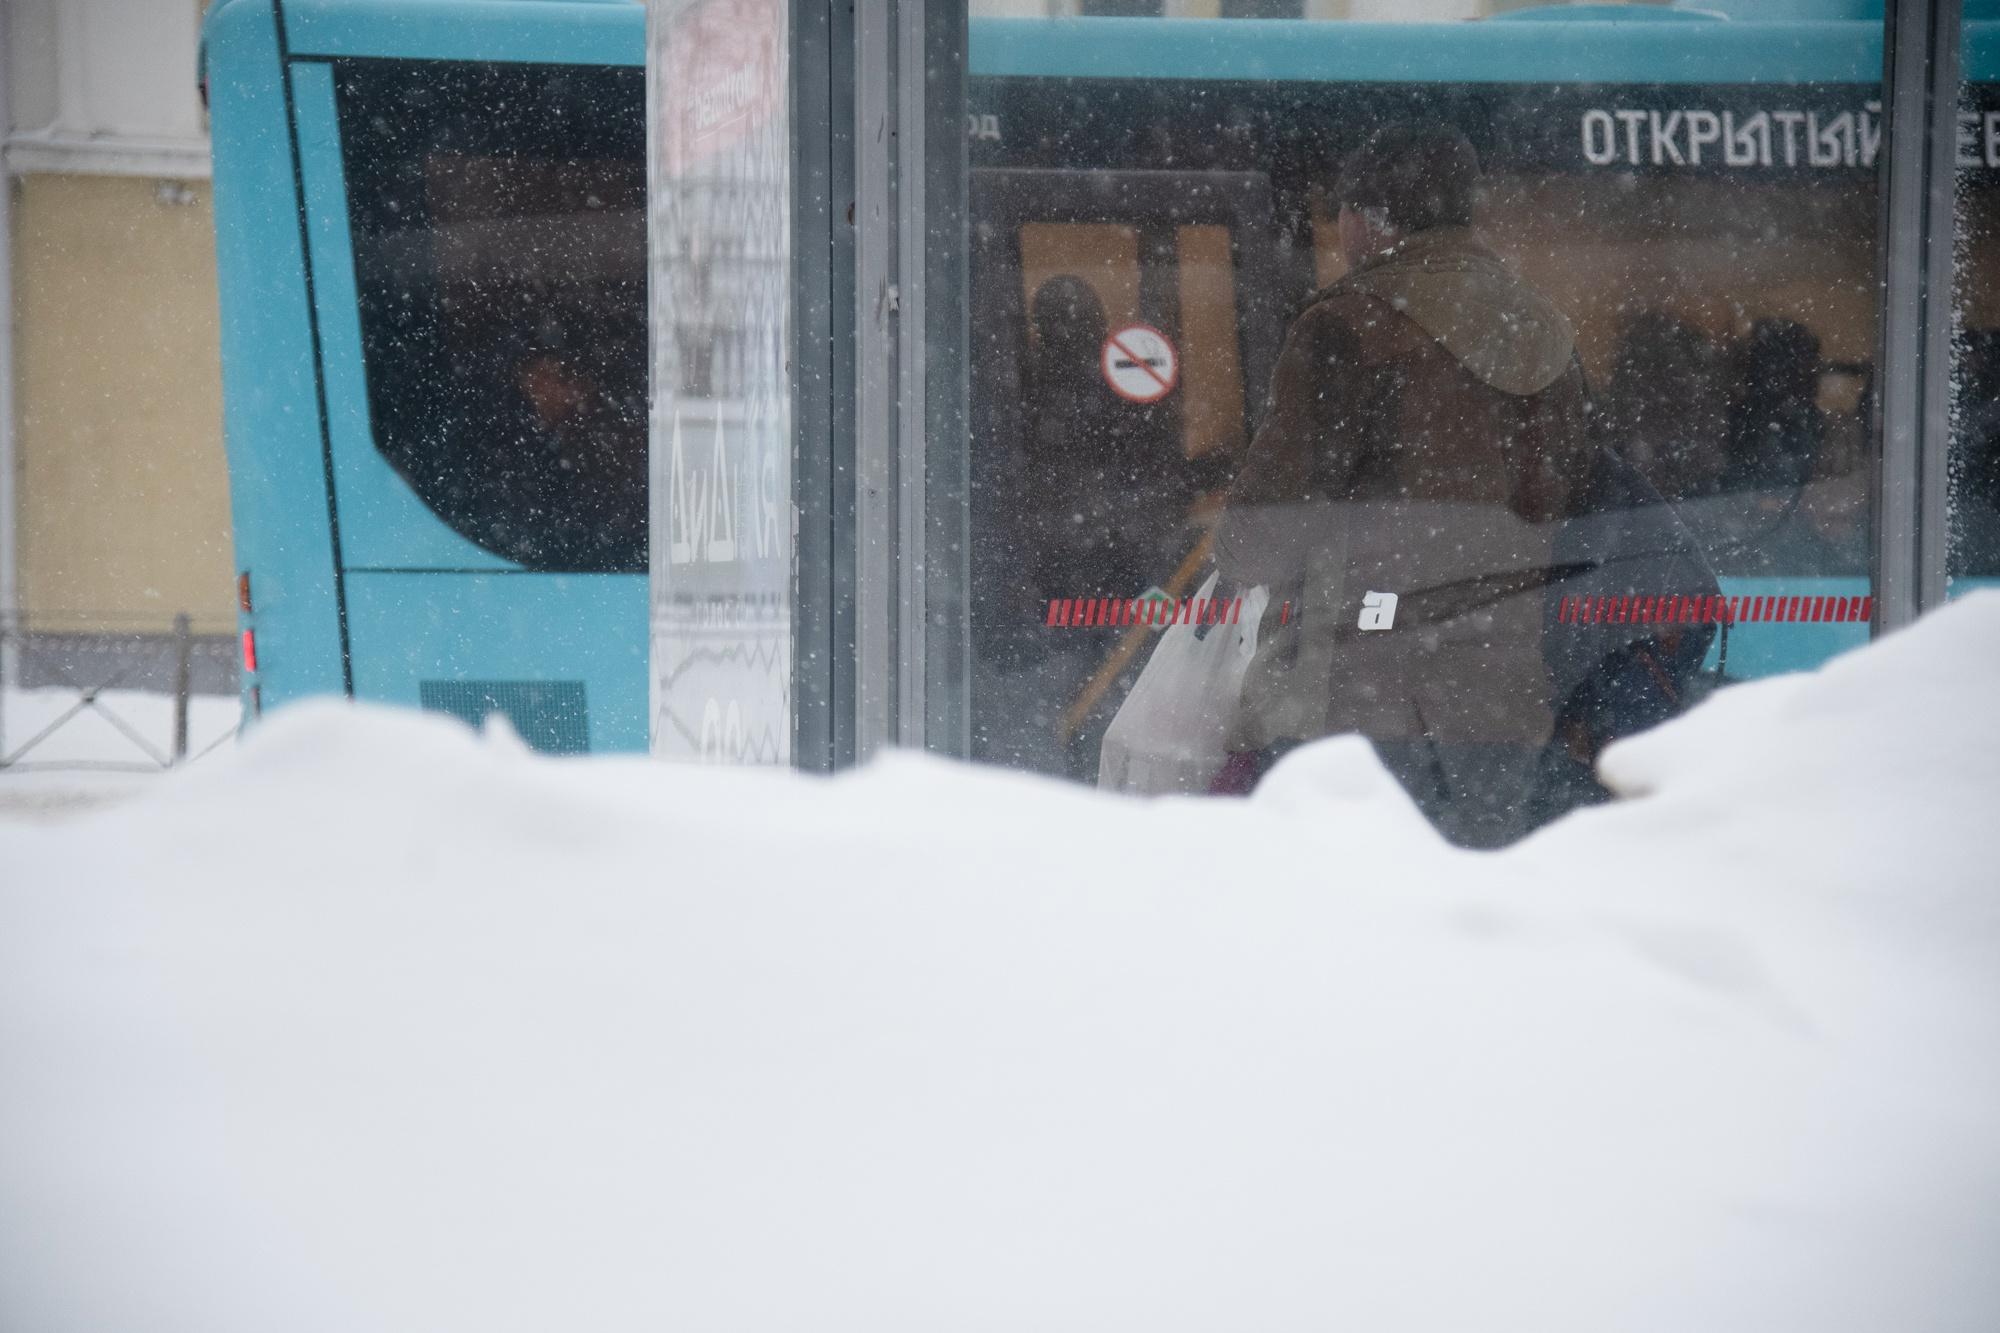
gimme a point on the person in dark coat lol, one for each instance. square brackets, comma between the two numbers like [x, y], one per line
[1106, 487]
[1778, 445]
[1975, 490]
[566, 461]
[1776, 427]
[1093, 502]
[1427, 427]
[1667, 405]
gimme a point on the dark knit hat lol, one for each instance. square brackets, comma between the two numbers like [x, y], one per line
[1421, 176]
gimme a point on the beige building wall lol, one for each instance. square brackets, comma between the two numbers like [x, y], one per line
[123, 488]
[118, 492]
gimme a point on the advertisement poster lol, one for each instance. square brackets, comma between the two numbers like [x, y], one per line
[721, 489]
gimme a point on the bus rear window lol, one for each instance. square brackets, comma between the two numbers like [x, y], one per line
[498, 215]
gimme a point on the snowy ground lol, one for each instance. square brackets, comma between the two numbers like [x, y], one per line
[369, 1024]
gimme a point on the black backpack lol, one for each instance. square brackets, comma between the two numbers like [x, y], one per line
[1623, 547]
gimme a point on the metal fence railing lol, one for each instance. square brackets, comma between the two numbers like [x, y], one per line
[112, 693]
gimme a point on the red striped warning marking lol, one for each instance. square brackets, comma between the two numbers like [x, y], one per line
[1631, 609]
[1668, 609]
[1089, 612]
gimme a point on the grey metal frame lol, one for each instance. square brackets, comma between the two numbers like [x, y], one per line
[943, 242]
[908, 308]
[854, 355]
[1920, 94]
[9, 460]
[878, 435]
[817, 232]
[897, 88]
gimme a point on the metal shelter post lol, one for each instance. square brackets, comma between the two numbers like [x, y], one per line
[1920, 98]
[898, 541]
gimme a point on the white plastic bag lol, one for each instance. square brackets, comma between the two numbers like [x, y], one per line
[1172, 732]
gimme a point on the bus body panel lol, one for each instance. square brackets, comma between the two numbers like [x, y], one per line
[1963, 584]
[433, 619]
[1556, 51]
[510, 632]
[271, 421]
[1979, 52]
[549, 32]
[1750, 650]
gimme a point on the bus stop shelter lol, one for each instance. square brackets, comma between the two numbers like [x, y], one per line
[861, 218]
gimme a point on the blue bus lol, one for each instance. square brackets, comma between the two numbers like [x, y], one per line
[431, 239]
[430, 233]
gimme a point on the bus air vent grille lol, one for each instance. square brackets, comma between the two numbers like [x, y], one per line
[550, 715]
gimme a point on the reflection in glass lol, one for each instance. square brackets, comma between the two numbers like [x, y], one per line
[1582, 434]
[1974, 476]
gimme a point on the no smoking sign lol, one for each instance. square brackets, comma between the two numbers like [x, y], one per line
[1140, 363]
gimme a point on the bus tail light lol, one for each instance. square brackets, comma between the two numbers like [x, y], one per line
[249, 645]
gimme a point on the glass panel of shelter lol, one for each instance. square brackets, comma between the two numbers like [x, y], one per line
[1974, 471]
[1604, 449]
[1107, 408]
[1712, 319]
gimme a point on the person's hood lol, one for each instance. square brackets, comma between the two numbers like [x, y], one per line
[1482, 312]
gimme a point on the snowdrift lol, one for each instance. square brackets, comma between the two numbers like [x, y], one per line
[374, 1024]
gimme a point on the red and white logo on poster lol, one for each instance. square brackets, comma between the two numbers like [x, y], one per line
[722, 73]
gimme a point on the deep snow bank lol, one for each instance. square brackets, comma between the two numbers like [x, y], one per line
[376, 1025]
